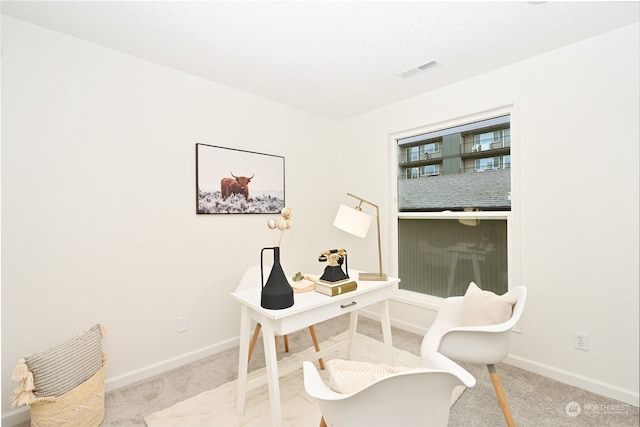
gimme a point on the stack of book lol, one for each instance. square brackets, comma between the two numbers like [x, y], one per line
[336, 288]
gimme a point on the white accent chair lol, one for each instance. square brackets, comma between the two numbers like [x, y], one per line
[484, 345]
[252, 279]
[420, 397]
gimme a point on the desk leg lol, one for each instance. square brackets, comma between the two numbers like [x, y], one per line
[271, 360]
[243, 359]
[353, 325]
[385, 321]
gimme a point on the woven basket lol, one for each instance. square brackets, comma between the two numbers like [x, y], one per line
[82, 406]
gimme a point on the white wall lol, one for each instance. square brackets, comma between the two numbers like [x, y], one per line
[575, 180]
[98, 202]
[98, 221]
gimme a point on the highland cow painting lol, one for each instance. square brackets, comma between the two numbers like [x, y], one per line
[232, 181]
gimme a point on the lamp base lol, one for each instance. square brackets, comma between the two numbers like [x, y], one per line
[372, 276]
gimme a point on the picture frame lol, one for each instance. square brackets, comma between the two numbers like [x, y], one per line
[234, 181]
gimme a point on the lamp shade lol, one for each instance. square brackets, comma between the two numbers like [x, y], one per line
[352, 221]
[471, 222]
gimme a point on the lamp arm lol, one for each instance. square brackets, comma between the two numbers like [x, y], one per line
[363, 200]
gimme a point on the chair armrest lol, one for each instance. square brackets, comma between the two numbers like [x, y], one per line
[438, 361]
[447, 318]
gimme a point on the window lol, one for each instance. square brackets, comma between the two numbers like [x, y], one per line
[506, 138]
[491, 140]
[430, 170]
[506, 162]
[432, 148]
[453, 208]
[412, 173]
[420, 152]
[413, 154]
[483, 141]
[492, 163]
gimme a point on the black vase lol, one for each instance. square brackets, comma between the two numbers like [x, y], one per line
[276, 293]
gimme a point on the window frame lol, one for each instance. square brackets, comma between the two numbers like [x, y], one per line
[512, 217]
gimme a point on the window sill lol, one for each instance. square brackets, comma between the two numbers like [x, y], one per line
[455, 215]
[417, 299]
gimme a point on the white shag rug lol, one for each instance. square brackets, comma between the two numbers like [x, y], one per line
[217, 407]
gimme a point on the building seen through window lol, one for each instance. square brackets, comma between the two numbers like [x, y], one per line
[436, 170]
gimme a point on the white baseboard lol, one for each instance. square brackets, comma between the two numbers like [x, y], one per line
[409, 327]
[590, 384]
[145, 372]
[16, 416]
[400, 324]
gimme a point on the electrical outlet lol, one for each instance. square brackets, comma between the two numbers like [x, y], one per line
[182, 324]
[581, 341]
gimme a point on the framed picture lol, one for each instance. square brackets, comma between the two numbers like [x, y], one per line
[231, 181]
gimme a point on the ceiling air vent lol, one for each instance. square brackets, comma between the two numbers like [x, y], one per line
[417, 70]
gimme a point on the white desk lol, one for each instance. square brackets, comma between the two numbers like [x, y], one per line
[308, 309]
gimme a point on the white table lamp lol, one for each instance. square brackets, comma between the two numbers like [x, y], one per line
[356, 222]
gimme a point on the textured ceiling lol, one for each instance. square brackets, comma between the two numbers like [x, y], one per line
[332, 58]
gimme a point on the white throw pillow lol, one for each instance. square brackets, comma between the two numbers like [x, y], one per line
[481, 308]
[349, 376]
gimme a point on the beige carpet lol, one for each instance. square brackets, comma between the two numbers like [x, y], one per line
[217, 407]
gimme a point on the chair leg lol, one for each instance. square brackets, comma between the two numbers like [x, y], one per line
[502, 399]
[286, 343]
[254, 339]
[314, 338]
[322, 422]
